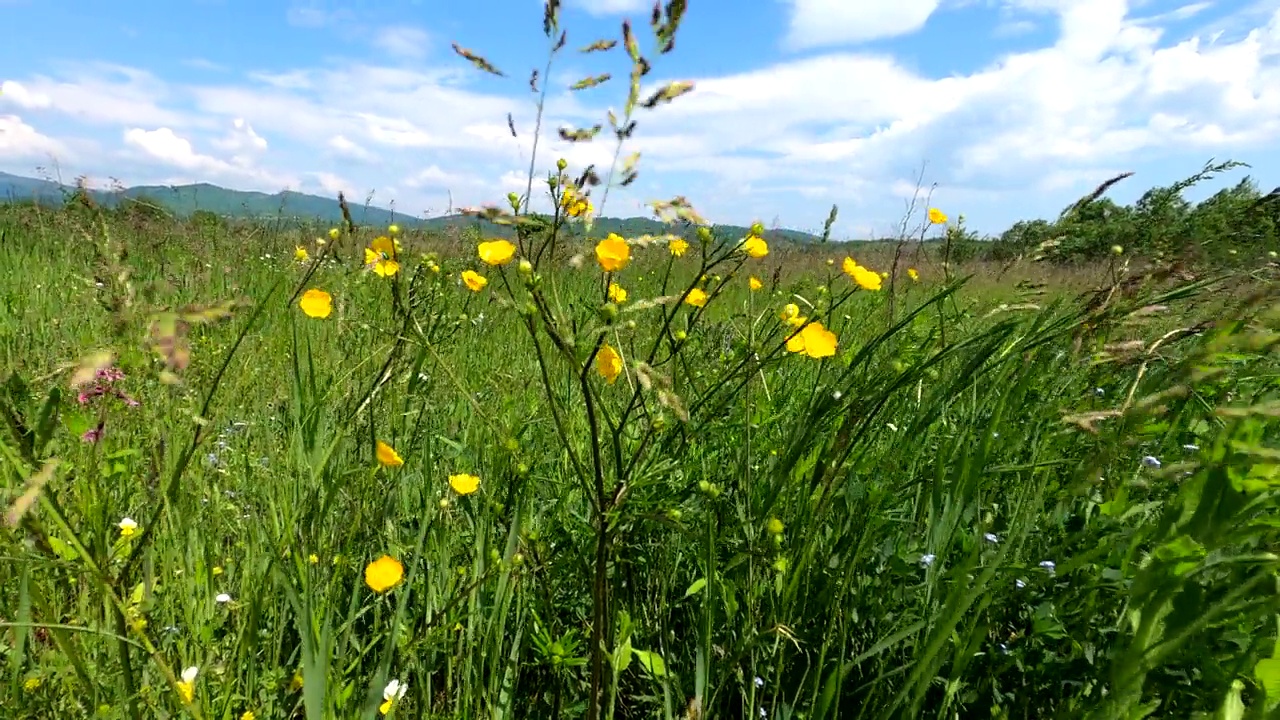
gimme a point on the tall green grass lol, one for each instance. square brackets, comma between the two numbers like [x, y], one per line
[974, 508]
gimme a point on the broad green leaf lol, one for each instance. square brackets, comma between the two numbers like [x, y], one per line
[651, 662]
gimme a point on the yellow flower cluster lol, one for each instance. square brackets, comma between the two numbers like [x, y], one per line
[575, 204]
[866, 278]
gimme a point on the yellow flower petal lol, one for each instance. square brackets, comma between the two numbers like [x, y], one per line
[814, 340]
[608, 363]
[387, 456]
[755, 246]
[474, 280]
[464, 484]
[613, 253]
[316, 303]
[383, 574]
[496, 252]
[696, 297]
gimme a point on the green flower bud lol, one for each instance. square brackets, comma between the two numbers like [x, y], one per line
[608, 312]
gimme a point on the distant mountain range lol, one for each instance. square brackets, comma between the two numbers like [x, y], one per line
[183, 200]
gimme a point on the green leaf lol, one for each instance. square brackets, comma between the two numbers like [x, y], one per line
[1268, 673]
[622, 657]
[63, 550]
[696, 587]
[651, 662]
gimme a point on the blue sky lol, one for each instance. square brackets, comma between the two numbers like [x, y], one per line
[1012, 108]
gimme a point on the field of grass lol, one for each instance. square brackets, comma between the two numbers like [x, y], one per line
[248, 472]
[981, 505]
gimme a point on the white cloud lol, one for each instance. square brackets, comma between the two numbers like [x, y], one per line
[332, 184]
[20, 141]
[19, 95]
[396, 132]
[242, 142]
[108, 94]
[165, 145]
[821, 23]
[403, 41]
[173, 150]
[344, 147]
[295, 80]
[784, 139]
[1180, 13]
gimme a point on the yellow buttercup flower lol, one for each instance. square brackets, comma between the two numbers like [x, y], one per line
[754, 283]
[381, 256]
[248, 715]
[755, 246]
[790, 311]
[496, 252]
[937, 217]
[187, 686]
[696, 297]
[474, 280]
[613, 253]
[608, 363]
[866, 278]
[911, 272]
[334, 233]
[677, 246]
[464, 484]
[574, 203]
[391, 695]
[383, 574]
[387, 456]
[814, 341]
[316, 303]
[300, 254]
[617, 294]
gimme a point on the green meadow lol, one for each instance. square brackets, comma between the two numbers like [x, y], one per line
[529, 469]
